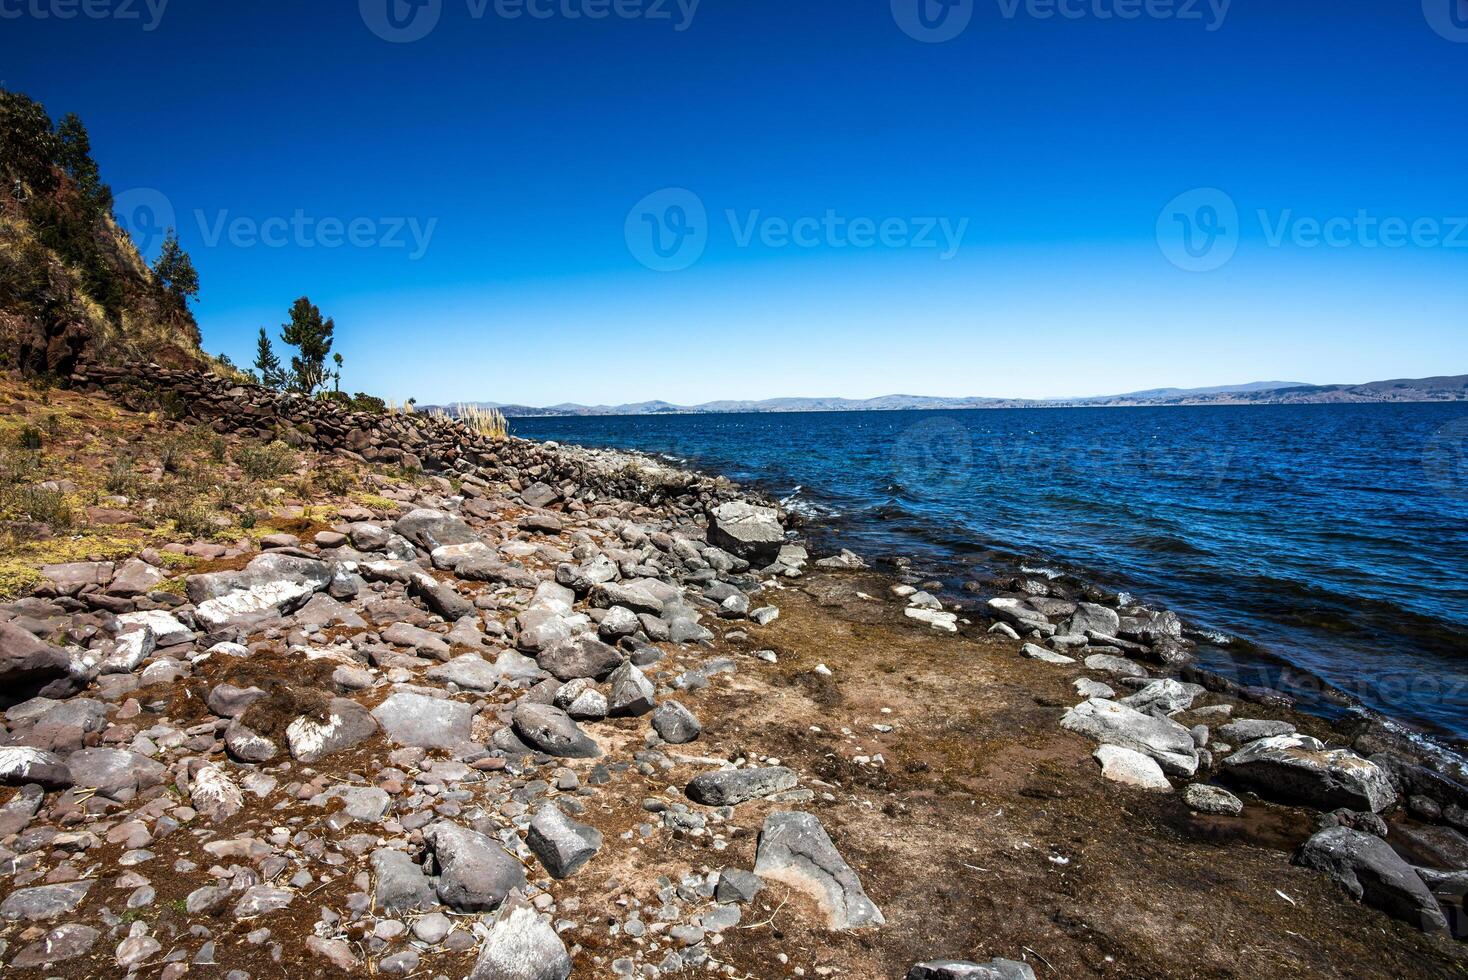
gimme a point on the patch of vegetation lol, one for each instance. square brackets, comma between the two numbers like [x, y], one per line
[265, 462]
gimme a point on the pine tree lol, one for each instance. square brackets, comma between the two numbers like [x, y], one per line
[75, 156]
[175, 272]
[267, 365]
[311, 335]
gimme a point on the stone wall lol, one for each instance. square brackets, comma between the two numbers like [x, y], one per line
[543, 472]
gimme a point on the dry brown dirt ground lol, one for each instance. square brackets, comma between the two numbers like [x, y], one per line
[985, 831]
[990, 832]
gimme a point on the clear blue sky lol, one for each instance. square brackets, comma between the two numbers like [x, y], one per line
[524, 143]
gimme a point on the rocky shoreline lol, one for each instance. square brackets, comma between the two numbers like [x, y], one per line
[409, 739]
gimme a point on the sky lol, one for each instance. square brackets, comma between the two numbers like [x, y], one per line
[605, 201]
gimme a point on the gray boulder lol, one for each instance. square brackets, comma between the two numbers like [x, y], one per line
[1368, 868]
[1300, 769]
[522, 946]
[115, 773]
[1169, 743]
[416, 720]
[399, 884]
[43, 901]
[1091, 617]
[27, 665]
[632, 693]
[737, 886]
[562, 844]
[475, 874]
[584, 656]
[469, 671]
[548, 729]
[229, 701]
[269, 586]
[1165, 695]
[675, 724]
[753, 533]
[430, 529]
[1212, 799]
[1242, 730]
[795, 849]
[22, 764]
[347, 724]
[63, 943]
[730, 787]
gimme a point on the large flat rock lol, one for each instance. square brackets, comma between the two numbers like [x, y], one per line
[419, 721]
[795, 849]
[1111, 723]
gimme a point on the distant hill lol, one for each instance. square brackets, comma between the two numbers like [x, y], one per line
[73, 287]
[1439, 389]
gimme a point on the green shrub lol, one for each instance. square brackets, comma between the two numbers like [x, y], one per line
[34, 503]
[120, 477]
[361, 402]
[29, 438]
[265, 462]
[190, 517]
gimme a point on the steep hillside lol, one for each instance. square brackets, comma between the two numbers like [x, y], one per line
[73, 287]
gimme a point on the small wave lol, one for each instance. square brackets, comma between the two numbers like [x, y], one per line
[794, 503]
[1215, 637]
[1042, 571]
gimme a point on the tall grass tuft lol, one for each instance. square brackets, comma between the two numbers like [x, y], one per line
[490, 423]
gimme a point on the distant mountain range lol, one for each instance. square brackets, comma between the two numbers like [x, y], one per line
[1441, 389]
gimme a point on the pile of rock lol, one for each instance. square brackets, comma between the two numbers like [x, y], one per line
[397, 727]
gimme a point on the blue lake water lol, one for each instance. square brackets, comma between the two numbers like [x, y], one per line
[1302, 542]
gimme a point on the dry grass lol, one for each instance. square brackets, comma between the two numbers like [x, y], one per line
[490, 423]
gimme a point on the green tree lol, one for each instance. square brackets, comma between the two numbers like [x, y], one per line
[28, 146]
[75, 156]
[267, 365]
[311, 335]
[175, 271]
[337, 374]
